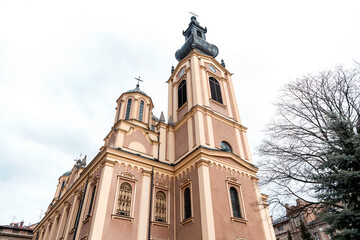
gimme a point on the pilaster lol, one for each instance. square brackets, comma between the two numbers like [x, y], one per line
[206, 207]
[144, 206]
[98, 223]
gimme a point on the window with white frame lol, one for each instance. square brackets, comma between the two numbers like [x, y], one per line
[235, 199]
[186, 201]
[160, 206]
[124, 199]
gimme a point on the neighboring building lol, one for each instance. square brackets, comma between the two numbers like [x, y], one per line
[190, 178]
[291, 222]
[16, 231]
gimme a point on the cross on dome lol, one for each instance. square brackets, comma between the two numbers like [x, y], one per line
[139, 80]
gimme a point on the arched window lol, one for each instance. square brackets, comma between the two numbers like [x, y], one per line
[160, 207]
[187, 203]
[182, 98]
[124, 201]
[235, 202]
[141, 110]
[215, 90]
[198, 33]
[119, 112]
[128, 109]
[91, 201]
[225, 147]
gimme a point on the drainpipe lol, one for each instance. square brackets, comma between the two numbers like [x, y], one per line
[80, 210]
[151, 193]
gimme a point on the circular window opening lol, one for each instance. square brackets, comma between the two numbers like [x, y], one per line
[225, 147]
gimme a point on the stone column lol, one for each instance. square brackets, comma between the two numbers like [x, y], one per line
[206, 207]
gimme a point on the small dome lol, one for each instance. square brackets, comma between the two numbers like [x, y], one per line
[155, 118]
[66, 174]
[137, 90]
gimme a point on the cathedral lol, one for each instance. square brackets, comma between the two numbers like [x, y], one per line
[188, 178]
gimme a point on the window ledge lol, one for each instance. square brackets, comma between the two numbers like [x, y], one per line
[236, 219]
[71, 231]
[122, 217]
[185, 221]
[156, 223]
[179, 109]
[216, 102]
[87, 219]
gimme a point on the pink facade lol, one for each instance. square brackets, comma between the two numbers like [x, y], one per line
[190, 177]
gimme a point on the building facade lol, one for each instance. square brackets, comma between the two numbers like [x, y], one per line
[191, 177]
[291, 222]
[16, 231]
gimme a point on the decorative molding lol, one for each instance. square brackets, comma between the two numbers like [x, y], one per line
[116, 216]
[162, 185]
[146, 173]
[216, 102]
[190, 219]
[202, 162]
[156, 223]
[87, 219]
[127, 176]
[179, 109]
[241, 220]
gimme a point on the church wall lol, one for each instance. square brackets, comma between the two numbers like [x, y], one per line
[192, 229]
[157, 231]
[225, 228]
[115, 227]
[138, 138]
[224, 132]
[181, 140]
[218, 107]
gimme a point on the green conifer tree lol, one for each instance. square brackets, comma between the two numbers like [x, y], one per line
[289, 237]
[304, 233]
[339, 179]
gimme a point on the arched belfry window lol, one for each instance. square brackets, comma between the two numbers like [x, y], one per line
[160, 206]
[215, 90]
[128, 109]
[182, 97]
[141, 110]
[225, 147]
[187, 203]
[234, 196]
[124, 200]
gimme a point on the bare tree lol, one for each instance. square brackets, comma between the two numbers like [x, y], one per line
[301, 136]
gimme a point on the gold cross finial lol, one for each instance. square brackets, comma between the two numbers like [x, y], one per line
[193, 13]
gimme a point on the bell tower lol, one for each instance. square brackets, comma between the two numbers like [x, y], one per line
[202, 100]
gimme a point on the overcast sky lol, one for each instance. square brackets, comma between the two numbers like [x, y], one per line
[63, 64]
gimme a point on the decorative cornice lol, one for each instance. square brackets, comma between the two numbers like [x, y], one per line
[202, 162]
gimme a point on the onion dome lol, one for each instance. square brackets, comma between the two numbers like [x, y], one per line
[195, 39]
